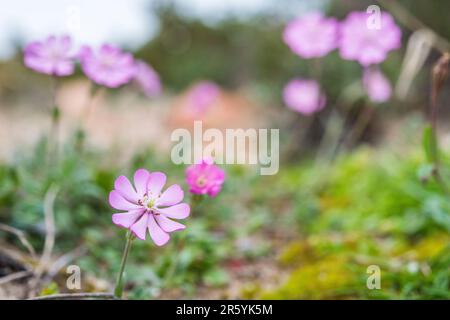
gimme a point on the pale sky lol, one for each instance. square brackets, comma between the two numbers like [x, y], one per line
[125, 22]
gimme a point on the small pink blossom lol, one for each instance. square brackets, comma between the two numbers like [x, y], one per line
[365, 43]
[109, 66]
[203, 95]
[147, 79]
[377, 86]
[147, 207]
[53, 56]
[205, 178]
[312, 35]
[304, 96]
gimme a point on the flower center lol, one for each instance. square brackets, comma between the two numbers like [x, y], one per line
[108, 62]
[150, 203]
[55, 55]
[201, 181]
[147, 202]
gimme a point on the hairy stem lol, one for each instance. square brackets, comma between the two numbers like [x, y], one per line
[119, 282]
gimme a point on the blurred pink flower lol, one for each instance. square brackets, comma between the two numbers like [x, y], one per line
[303, 96]
[203, 95]
[147, 79]
[368, 45]
[109, 66]
[377, 86]
[205, 178]
[52, 56]
[311, 35]
[147, 207]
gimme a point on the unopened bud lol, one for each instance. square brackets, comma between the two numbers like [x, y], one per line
[440, 74]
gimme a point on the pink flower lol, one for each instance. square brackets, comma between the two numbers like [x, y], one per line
[203, 95]
[368, 45]
[303, 96]
[147, 79]
[147, 207]
[52, 56]
[312, 35]
[377, 86]
[109, 66]
[205, 178]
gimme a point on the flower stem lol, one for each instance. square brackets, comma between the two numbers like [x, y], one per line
[119, 282]
[440, 74]
[53, 143]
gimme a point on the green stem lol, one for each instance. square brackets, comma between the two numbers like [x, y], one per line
[119, 282]
[53, 143]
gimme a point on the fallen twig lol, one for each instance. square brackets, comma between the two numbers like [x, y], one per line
[44, 261]
[64, 260]
[15, 276]
[21, 236]
[76, 296]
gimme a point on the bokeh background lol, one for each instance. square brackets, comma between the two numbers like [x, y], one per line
[344, 198]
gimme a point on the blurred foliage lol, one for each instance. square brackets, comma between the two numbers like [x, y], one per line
[335, 219]
[367, 209]
[235, 53]
[370, 207]
[83, 218]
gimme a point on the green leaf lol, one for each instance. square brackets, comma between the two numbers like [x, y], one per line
[216, 277]
[425, 171]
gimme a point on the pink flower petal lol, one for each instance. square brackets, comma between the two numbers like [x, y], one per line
[123, 185]
[173, 195]
[140, 181]
[127, 219]
[120, 203]
[168, 225]
[156, 233]
[214, 190]
[156, 182]
[52, 56]
[367, 45]
[140, 227]
[178, 211]
[119, 70]
[312, 35]
[64, 68]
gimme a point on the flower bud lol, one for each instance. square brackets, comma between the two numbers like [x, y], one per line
[440, 74]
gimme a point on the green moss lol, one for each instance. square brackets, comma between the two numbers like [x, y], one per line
[324, 279]
[428, 248]
[295, 253]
